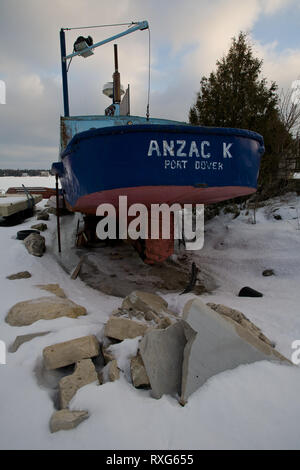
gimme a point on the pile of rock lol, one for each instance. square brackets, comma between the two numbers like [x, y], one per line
[79, 352]
[175, 355]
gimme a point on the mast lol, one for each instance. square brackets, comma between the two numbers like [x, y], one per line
[64, 73]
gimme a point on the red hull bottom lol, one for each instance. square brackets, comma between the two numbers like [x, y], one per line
[148, 195]
[156, 251]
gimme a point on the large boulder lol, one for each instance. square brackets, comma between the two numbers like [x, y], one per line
[66, 419]
[162, 355]
[84, 373]
[43, 308]
[121, 328]
[69, 352]
[216, 343]
[35, 244]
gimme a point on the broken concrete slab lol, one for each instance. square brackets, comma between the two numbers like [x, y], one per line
[122, 328]
[66, 353]
[66, 419]
[216, 343]
[109, 373]
[84, 374]
[240, 318]
[43, 308]
[24, 339]
[139, 375]
[162, 355]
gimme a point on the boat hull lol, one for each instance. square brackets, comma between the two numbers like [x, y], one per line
[154, 164]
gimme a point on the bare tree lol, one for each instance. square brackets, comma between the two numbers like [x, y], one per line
[289, 108]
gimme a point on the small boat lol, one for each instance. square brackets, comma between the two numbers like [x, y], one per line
[149, 160]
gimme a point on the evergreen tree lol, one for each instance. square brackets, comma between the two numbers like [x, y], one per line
[235, 95]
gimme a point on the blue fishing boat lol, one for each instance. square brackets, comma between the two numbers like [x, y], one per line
[151, 161]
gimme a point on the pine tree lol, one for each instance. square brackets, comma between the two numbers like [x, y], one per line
[235, 95]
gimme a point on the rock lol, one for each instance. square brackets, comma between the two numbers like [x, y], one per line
[268, 272]
[35, 244]
[109, 373]
[66, 419]
[122, 328]
[107, 355]
[216, 343]
[164, 323]
[41, 227]
[43, 308]
[145, 302]
[84, 373]
[162, 355]
[249, 292]
[54, 289]
[277, 217]
[52, 210]
[69, 352]
[138, 372]
[20, 275]
[43, 216]
[24, 339]
[240, 318]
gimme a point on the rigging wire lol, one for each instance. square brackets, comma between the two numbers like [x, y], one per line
[101, 26]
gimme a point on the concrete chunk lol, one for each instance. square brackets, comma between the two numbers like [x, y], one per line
[216, 343]
[66, 419]
[84, 374]
[69, 352]
[138, 372]
[145, 302]
[109, 373]
[162, 355]
[122, 328]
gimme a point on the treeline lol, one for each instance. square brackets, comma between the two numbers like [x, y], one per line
[10, 172]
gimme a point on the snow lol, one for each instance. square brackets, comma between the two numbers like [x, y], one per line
[255, 406]
[17, 181]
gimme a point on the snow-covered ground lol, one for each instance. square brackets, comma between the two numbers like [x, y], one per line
[255, 406]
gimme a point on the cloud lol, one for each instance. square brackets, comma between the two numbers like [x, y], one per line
[187, 38]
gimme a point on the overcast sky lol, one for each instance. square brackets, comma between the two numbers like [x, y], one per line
[187, 38]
